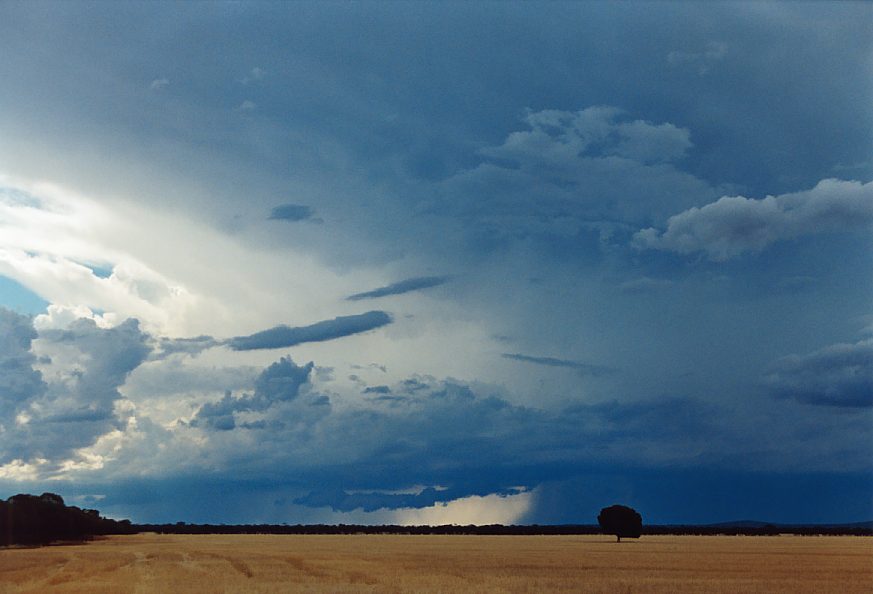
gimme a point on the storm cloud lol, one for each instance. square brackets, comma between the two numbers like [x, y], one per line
[20, 383]
[734, 225]
[280, 382]
[405, 286]
[569, 170]
[90, 365]
[582, 368]
[636, 239]
[466, 439]
[286, 336]
[291, 212]
[837, 375]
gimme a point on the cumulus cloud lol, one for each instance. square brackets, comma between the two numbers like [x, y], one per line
[561, 138]
[110, 355]
[571, 169]
[291, 212]
[582, 368]
[405, 286]
[159, 83]
[433, 443]
[837, 375]
[462, 436]
[280, 382]
[19, 381]
[72, 404]
[734, 225]
[84, 398]
[58, 317]
[286, 336]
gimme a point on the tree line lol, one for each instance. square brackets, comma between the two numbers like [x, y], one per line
[43, 519]
[39, 520]
[501, 529]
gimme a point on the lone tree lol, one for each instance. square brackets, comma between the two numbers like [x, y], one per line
[621, 521]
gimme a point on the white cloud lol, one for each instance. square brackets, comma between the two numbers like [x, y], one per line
[19, 470]
[247, 105]
[182, 278]
[734, 224]
[159, 83]
[163, 267]
[58, 317]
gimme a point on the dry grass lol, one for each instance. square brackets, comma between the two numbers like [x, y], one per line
[153, 563]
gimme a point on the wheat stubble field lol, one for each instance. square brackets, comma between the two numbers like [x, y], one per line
[311, 563]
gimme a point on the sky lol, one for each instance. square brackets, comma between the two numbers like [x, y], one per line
[438, 262]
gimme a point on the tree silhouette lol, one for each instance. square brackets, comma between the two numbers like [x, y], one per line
[620, 520]
[32, 520]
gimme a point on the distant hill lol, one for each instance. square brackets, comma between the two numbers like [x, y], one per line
[37, 520]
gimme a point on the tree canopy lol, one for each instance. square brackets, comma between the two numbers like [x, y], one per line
[620, 520]
[35, 520]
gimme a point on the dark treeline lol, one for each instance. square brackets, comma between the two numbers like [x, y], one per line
[38, 520]
[863, 529]
[761, 529]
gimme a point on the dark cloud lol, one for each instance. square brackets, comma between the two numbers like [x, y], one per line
[735, 224]
[569, 172]
[277, 337]
[582, 368]
[369, 501]
[285, 336]
[190, 346]
[280, 382]
[377, 390]
[20, 383]
[837, 375]
[78, 407]
[401, 176]
[700, 496]
[466, 438]
[340, 500]
[112, 353]
[404, 286]
[291, 212]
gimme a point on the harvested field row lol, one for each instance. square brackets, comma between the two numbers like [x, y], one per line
[314, 563]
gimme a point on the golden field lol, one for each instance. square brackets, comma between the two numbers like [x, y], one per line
[311, 563]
